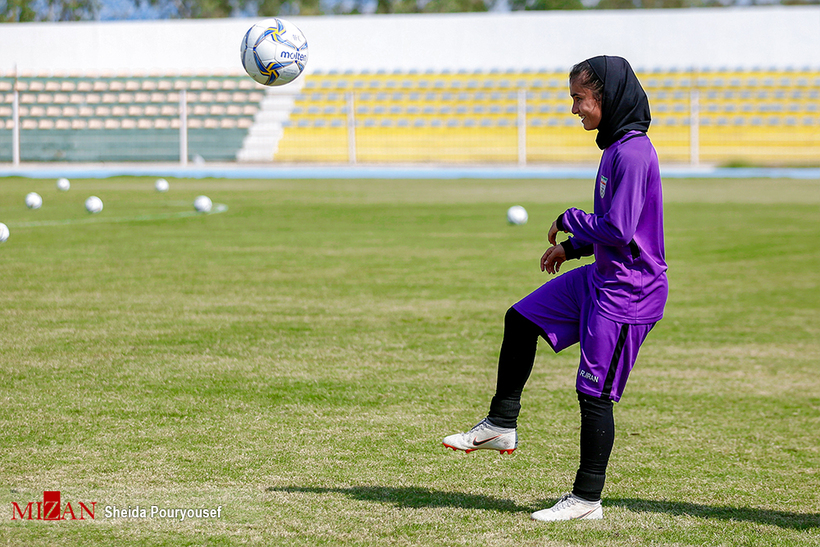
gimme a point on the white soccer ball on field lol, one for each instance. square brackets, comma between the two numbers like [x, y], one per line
[63, 185]
[4, 232]
[161, 185]
[274, 52]
[203, 204]
[93, 204]
[517, 215]
[33, 200]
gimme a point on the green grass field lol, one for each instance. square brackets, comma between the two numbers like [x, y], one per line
[297, 359]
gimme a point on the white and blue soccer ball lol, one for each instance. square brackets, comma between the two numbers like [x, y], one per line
[161, 185]
[63, 184]
[274, 52]
[517, 215]
[4, 232]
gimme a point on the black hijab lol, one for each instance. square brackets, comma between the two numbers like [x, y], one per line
[624, 106]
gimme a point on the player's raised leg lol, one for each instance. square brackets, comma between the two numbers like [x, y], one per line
[498, 430]
[547, 313]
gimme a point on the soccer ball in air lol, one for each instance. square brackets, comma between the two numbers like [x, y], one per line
[274, 52]
[93, 204]
[161, 185]
[517, 215]
[33, 200]
[63, 185]
[203, 204]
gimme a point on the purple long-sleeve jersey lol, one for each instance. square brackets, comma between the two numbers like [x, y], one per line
[626, 233]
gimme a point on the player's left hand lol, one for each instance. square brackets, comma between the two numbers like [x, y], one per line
[553, 258]
[551, 235]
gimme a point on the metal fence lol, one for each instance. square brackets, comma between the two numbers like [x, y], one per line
[755, 118]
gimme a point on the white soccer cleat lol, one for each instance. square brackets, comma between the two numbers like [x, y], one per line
[571, 507]
[486, 436]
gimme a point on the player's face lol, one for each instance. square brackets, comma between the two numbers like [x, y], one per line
[585, 105]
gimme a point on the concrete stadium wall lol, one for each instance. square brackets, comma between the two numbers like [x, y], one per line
[765, 37]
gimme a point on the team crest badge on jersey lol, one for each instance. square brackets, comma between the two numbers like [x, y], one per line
[602, 186]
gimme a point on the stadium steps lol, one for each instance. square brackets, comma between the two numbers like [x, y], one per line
[262, 139]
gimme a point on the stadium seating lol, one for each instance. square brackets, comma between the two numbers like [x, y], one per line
[127, 118]
[756, 117]
[765, 117]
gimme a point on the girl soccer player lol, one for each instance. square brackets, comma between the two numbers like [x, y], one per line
[609, 306]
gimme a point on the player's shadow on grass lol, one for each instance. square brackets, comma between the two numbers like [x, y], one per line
[783, 519]
[414, 497]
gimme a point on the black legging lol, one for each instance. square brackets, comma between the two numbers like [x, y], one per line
[514, 366]
[597, 438]
[515, 363]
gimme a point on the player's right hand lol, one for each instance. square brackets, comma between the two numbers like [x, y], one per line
[553, 258]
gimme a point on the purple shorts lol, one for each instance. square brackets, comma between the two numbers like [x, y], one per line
[565, 310]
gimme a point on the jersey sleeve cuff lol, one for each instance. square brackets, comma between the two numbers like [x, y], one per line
[572, 253]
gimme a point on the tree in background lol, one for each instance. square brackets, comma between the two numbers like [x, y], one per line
[616, 4]
[24, 11]
[273, 8]
[430, 6]
[541, 5]
[199, 9]
[89, 10]
[18, 11]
